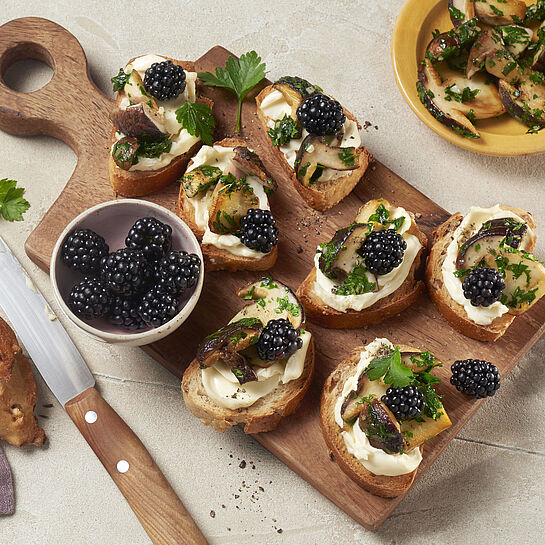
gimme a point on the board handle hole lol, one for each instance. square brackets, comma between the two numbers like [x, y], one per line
[26, 67]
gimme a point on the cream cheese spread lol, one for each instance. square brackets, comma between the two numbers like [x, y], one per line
[222, 386]
[374, 460]
[387, 283]
[275, 106]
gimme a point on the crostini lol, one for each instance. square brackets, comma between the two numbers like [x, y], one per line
[315, 140]
[481, 273]
[378, 409]
[224, 200]
[368, 271]
[254, 371]
[153, 136]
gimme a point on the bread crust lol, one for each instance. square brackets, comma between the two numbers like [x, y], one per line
[319, 312]
[262, 416]
[453, 312]
[323, 195]
[218, 259]
[379, 485]
[138, 183]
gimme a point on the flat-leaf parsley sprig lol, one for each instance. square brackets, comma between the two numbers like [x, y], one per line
[12, 203]
[239, 76]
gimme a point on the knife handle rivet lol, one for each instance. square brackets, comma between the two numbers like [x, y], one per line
[91, 417]
[122, 466]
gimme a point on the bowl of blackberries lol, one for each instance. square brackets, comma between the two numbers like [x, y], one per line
[127, 271]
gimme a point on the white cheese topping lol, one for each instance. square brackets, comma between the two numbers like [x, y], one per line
[387, 283]
[219, 156]
[223, 387]
[275, 106]
[471, 223]
[373, 459]
[182, 141]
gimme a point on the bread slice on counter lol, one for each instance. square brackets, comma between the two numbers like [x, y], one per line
[241, 163]
[18, 393]
[146, 120]
[405, 295]
[454, 312]
[411, 434]
[265, 413]
[349, 157]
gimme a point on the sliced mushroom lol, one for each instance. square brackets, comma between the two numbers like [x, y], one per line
[251, 164]
[450, 44]
[124, 152]
[408, 353]
[461, 11]
[198, 181]
[490, 53]
[538, 62]
[431, 92]
[238, 364]
[417, 432]
[230, 203]
[295, 90]
[381, 427]
[315, 154]
[526, 103]
[516, 38]
[138, 119]
[500, 12]
[136, 93]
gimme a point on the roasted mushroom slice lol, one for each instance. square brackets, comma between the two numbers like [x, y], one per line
[500, 12]
[381, 427]
[198, 181]
[295, 90]
[516, 38]
[230, 202]
[538, 61]
[490, 53]
[461, 11]
[417, 432]
[137, 120]
[250, 162]
[431, 92]
[526, 103]
[450, 44]
[136, 93]
[124, 152]
[315, 154]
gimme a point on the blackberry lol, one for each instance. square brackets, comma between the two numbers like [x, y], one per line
[158, 307]
[258, 230]
[82, 250]
[405, 403]
[125, 271]
[164, 80]
[483, 286]
[89, 299]
[177, 271]
[151, 236]
[476, 378]
[124, 312]
[383, 251]
[320, 114]
[278, 340]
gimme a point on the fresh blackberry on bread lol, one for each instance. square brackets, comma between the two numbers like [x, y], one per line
[278, 340]
[258, 230]
[89, 299]
[158, 307]
[321, 115]
[123, 312]
[405, 403]
[165, 80]
[383, 251]
[151, 236]
[125, 272]
[82, 250]
[483, 286]
[475, 378]
[177, 271]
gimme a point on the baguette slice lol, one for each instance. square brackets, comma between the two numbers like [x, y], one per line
[379, 485]
[322, 195]
[218, 259]
[138, 183]
[452, 311]
[326, 316]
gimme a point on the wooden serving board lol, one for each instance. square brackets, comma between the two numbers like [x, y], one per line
[71, 108]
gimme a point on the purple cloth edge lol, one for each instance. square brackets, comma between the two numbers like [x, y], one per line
[7, 498]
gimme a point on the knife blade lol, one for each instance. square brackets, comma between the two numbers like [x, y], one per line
[126, 459]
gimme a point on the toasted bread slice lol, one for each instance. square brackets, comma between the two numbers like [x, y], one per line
[321, 195]
[18, 394]
[138, 183]
[217, 258]
[326, 316]
[452, 311]
[380, 485]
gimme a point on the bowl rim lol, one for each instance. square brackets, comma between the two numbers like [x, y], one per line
[151, 334]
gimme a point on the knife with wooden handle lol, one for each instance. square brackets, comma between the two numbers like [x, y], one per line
[133, 470]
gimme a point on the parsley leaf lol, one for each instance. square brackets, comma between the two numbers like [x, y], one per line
[391, 368]
[120, 80]
[196, 118]
[239, 76]
[12, 203]
[283, 131]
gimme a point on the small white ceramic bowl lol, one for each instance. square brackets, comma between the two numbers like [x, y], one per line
[112, 220]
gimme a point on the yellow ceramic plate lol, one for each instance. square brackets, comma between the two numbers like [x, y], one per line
[502, 135]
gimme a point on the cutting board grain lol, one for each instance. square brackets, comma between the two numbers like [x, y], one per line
[81, 120]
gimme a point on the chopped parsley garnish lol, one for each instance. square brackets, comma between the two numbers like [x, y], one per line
[519, 297]
[197, 119]
[456, 13]
[466, 95]
[120, 80]
[382, 216]
[356, 282]
[238, 373]
[284, 304]
[283, 131]
[268, 282]
[348, 157]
